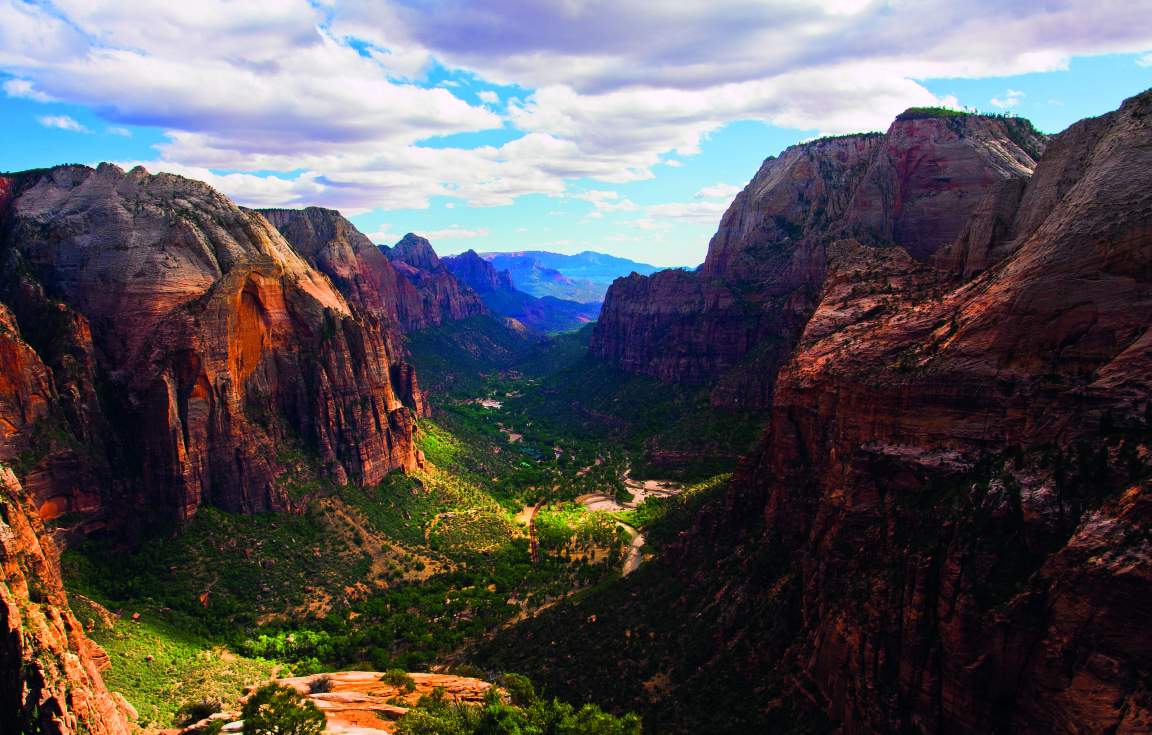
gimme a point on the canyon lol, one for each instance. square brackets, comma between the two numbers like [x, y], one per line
[943, 329]
[946, 526]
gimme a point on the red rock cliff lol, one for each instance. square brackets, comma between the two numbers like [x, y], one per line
[50, 679]
[413, 298]
[214, 341]
[735, 321]
[959, 475]
[433, 293]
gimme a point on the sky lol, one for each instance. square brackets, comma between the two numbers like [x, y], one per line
[622, 126]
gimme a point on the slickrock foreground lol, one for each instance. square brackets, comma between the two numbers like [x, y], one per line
[358, 703]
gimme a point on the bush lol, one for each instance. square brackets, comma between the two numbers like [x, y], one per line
[192, 712]
[399, 678]
[279, 710]
[519, 688]
[320, 684]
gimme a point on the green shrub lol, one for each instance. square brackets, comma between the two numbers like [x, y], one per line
[196, 710]
[519, 688]
[279, 710]
[399, 678]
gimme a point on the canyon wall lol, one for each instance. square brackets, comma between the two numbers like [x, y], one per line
[433, 294]
[184, 345]
[948, 525]
[50, 681]
[961, 472]
[733, 323]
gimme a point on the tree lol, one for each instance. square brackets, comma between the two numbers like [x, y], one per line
[279, 710]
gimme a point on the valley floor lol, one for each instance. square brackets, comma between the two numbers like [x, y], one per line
[515, 510]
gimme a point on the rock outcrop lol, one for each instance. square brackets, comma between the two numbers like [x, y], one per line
[545, 314]
[210, 342]
[360, 702]
[50, 681]
[966, 468]
[428, 293]
[734, 322]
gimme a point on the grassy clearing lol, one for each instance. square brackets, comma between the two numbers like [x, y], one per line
[159, 665]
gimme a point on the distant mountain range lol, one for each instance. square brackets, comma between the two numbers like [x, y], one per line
[464, 285]
[583, 277]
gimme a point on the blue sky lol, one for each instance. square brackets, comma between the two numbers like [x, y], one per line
[527, 125]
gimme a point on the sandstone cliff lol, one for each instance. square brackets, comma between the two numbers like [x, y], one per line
[210, 342]
[734, 322]
[429, 293]
[966, 469]
[50, 681]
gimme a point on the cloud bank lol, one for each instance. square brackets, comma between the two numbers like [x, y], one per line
[334, 98]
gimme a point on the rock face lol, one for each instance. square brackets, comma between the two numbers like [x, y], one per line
[546, 314]
[411, 297]
[50, 679]
[966, 467]
[429, 294]
[212, 342]
[480, 275]
[733, 323]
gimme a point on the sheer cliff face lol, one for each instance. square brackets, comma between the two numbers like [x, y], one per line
[961, 473]
[375, 278]
[734, 322]
[50, 679]
[430, 293]
[212, 340]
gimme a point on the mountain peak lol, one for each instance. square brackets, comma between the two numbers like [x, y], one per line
[416, 251]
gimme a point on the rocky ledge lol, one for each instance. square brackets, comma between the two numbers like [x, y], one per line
[359, 703]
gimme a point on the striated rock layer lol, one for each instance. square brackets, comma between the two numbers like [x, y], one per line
[733, 323]
[50, 679]
[184, 343]
[960, 476]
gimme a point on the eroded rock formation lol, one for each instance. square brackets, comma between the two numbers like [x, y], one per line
[733, 323]
[500, 295]
[430, 293]
[50, 681]
[212, 343]
[948, 528]
[966, 469]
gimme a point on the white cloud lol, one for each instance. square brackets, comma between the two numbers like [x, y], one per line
[62, 122]
[604, 202]
[455, 232]
[1010, 98]
[719, 191]
[322, 92]
[383, 236]
[701, 212]
[119, 131]
[1145, 60]
[22, 88]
